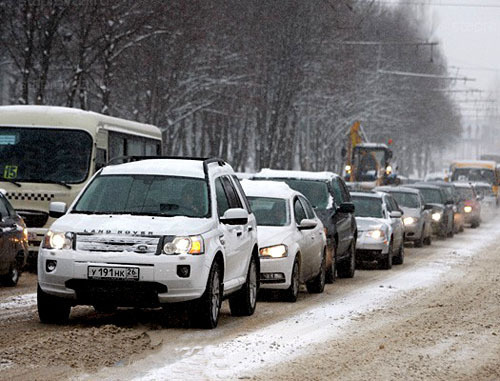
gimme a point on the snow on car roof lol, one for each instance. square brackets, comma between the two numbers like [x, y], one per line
[171, 167]
[271, 189]
[367, 194]
[397, 189]
[482, 185]
[462, 184]
[372, 145]
[303, 175]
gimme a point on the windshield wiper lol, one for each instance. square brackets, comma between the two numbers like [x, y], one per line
[12, 182]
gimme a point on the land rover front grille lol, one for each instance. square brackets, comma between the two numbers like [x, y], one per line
[117, 243]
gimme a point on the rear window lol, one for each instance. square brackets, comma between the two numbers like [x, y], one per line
[431, 196]
[367, 206]
[315, 191]
[270, 211]
[465, 193]
[407, 200]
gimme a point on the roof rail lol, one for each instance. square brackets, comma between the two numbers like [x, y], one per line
[206, 160]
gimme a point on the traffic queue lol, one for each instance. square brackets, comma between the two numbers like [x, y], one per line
[122, 227]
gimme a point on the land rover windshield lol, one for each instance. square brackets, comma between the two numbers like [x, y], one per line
[44, 155]
[150, 195]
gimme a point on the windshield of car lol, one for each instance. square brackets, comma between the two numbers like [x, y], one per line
[367, 206]
[408, 200]
[270, 211]
[474, 175]
[316, 191]
[465, 193]
[44, 155]
[145, 195]
[431, 196]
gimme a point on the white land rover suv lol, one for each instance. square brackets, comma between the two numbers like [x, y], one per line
[150, 232]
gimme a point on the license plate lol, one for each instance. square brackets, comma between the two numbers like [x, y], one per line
[108, 272]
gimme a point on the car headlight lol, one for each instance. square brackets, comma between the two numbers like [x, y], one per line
[58, 240]
[409, 221]
[467, 209]
[185, 245]
[276, 251]
[376, 234]
[436, 216]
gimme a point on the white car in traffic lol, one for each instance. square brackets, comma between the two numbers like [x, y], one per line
[151, 232]
[292, 240]
[380, 228]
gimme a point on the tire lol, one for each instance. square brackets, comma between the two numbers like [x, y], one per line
[474, 225]
[243, 302]
[331, 272]
[420, 242]
[428, 240]
[462, 229]
[317, 284]
[12, 277]
[451, 233]
[51, 309]
[347, 267]
[400, 258]
[386, 263]
[206, 310]
[292, 293]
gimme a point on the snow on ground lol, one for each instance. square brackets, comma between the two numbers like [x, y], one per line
[18, 301]
[289, 338]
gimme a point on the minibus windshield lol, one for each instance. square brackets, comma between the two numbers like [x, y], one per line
[44, 155]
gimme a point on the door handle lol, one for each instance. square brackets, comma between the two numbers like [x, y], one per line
[239, 233]
[250, 228]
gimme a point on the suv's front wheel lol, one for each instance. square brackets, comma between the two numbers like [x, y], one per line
[51, 309]
[207, 310]
[347, 267]
[243, 302]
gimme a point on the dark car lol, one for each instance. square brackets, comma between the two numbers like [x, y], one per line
[13, 243]
[452, 195]
[469, 203]
[442, 212]
[331, 200]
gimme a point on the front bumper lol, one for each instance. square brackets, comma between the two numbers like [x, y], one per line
[276, 273]
[413, 232]
[158, 280]
[367, 243]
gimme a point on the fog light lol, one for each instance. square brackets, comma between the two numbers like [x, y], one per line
[183, 271]
[467, 209]
[50, 265]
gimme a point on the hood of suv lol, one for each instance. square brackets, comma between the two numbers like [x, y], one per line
[132, 225]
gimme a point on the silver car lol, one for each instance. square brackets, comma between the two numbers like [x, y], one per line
[417, 216]
[380, 228]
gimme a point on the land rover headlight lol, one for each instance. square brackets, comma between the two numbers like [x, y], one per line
[376, 234]
[467, 209]
[185, 245]
[276, 251]
[409, 221]
[436, 216]
[58, 240]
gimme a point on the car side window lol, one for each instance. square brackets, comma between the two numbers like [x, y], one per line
[337, 192]
[390, 206]
[232, 195]
[242, 193]
[220, 194]
[298, 210]
[346, 195]
[3, 208]
[308, 208]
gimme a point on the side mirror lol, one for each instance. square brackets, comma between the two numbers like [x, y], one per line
[449, 202]
[307, 224]
[395, 214]
[428, 207]
[235, 216]
[57, 209]
[346, 207]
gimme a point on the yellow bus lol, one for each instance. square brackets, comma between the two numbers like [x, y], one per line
[484, 171]
[49, 153]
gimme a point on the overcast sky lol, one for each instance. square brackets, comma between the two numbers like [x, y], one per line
[469, 33]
